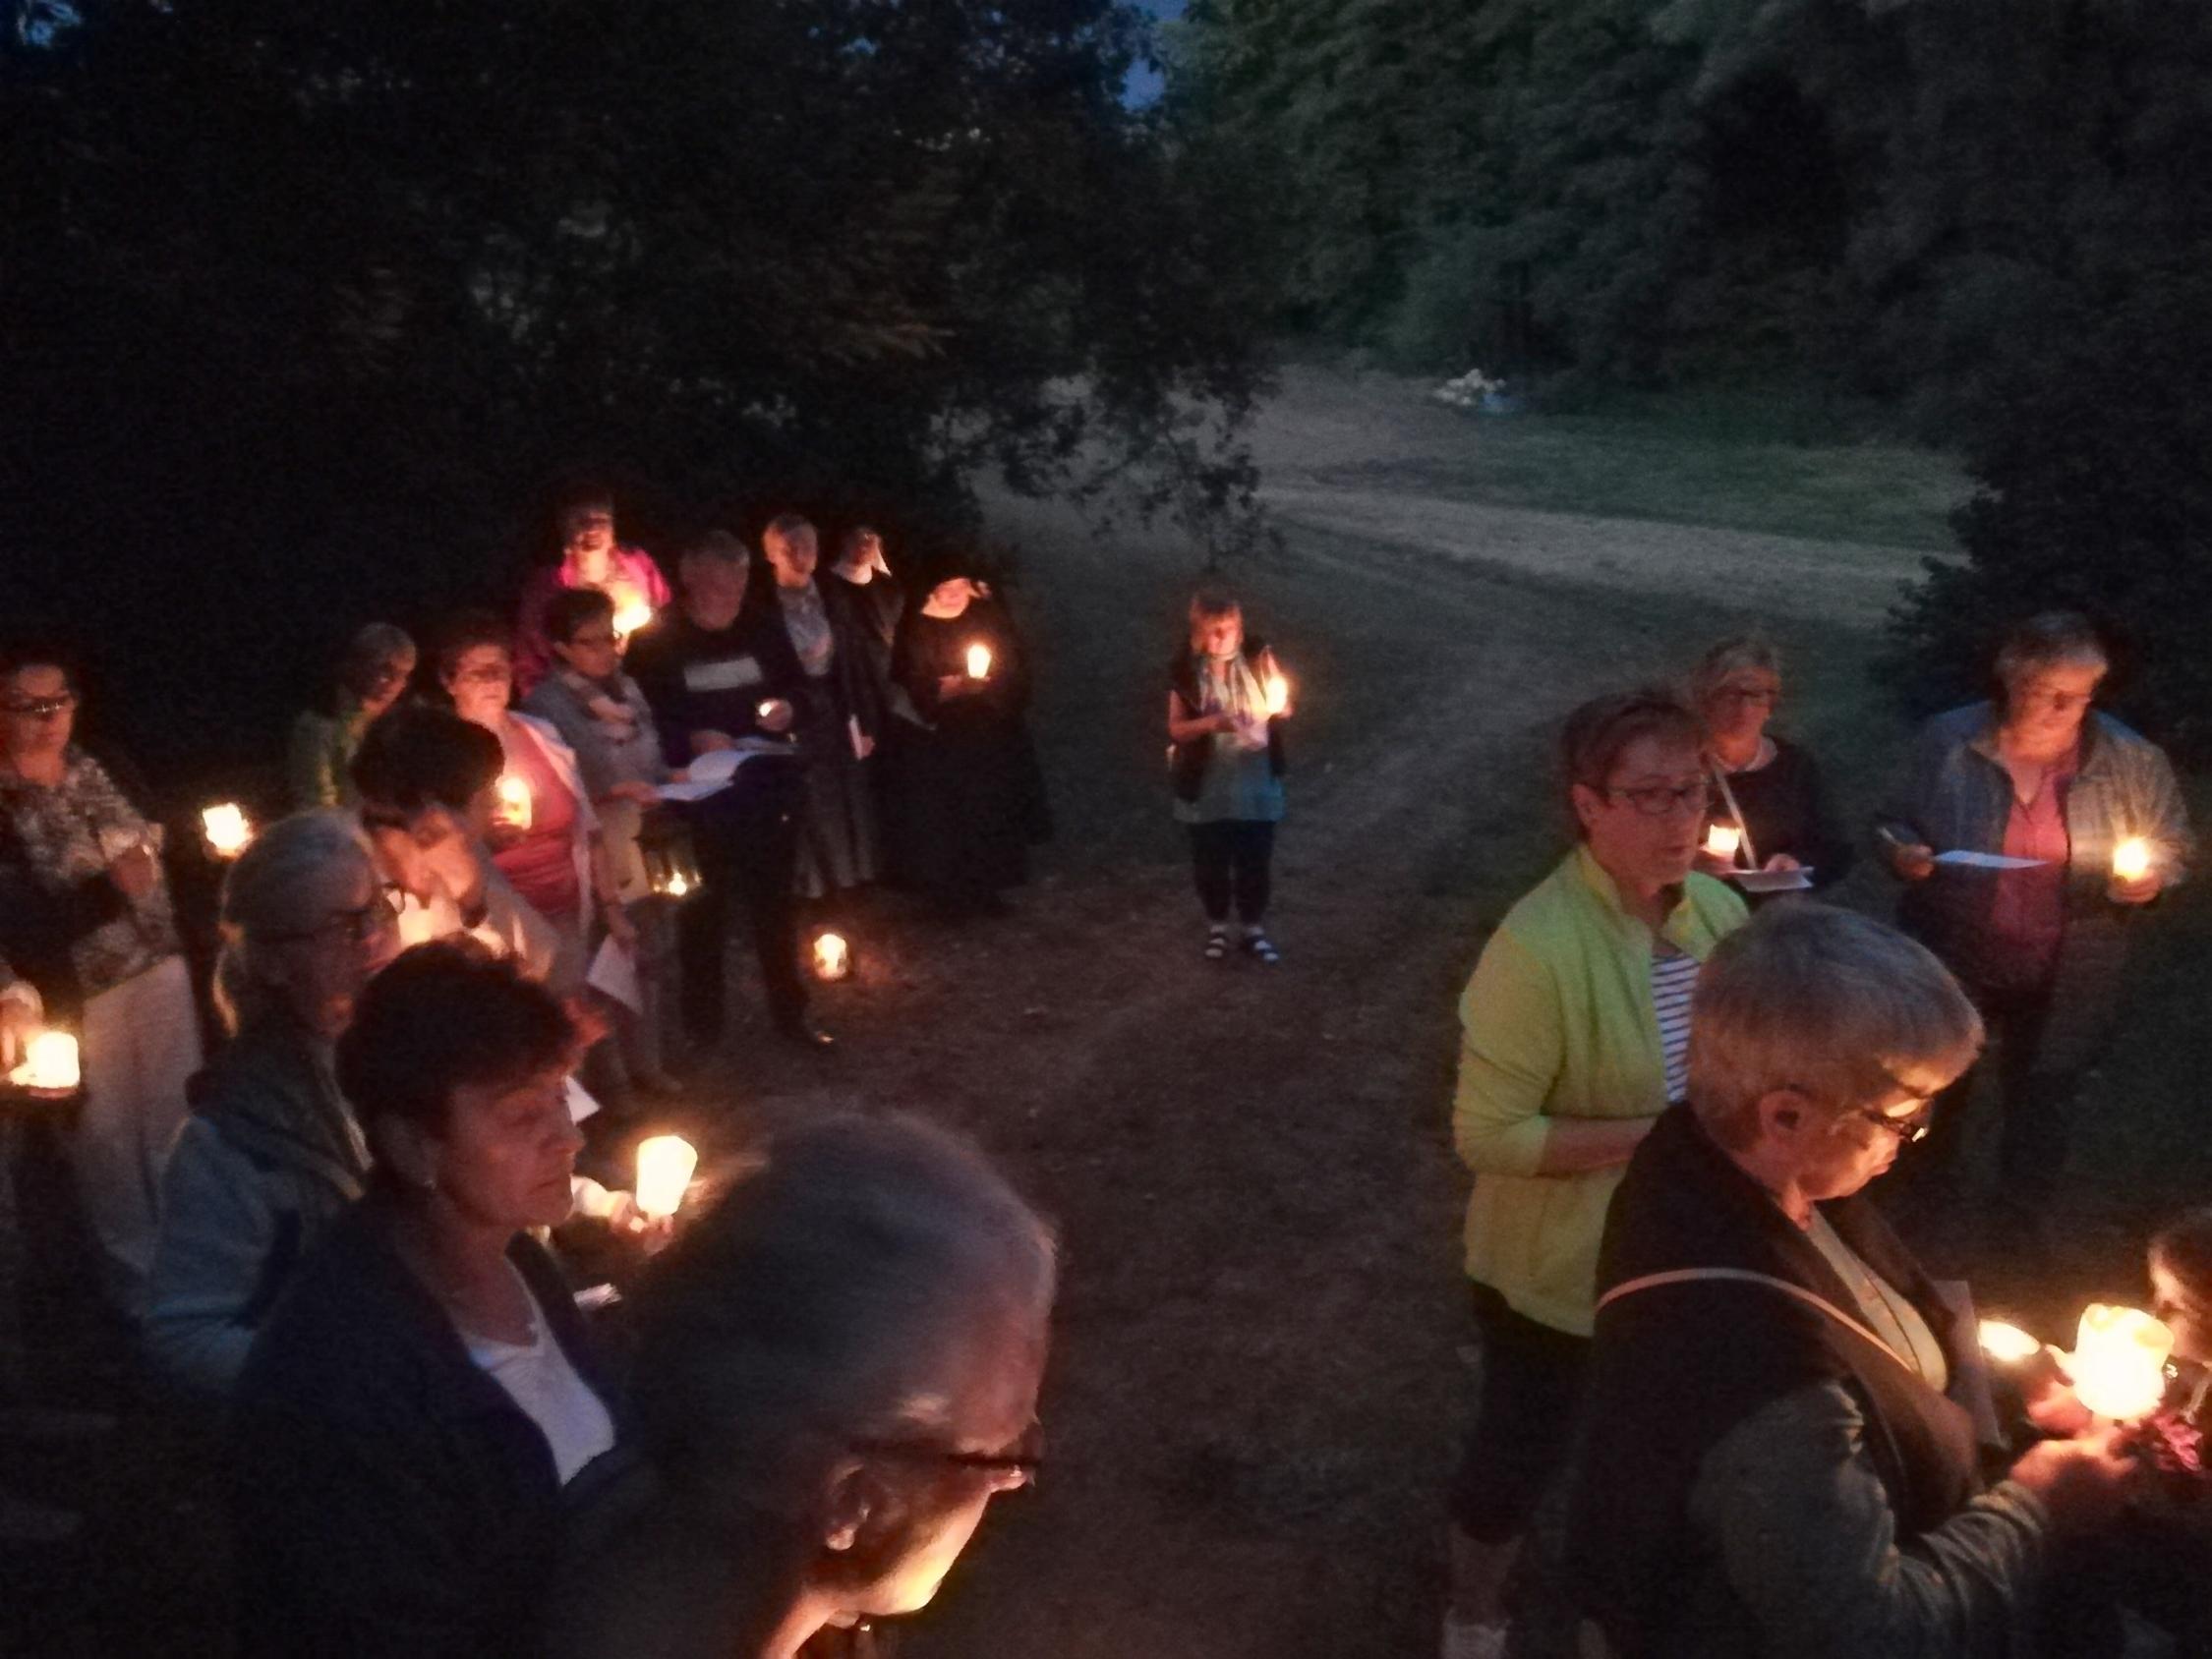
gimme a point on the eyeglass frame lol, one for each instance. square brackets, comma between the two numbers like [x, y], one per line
[1697, 793]
[1023, 1467]
[361, 923]
[40, 708]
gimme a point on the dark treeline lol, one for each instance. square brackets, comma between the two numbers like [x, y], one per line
[311, 309]
[1994, 218]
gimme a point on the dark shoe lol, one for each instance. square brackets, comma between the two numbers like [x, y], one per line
[805, 1033]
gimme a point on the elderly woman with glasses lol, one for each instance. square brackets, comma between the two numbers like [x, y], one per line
[1779, 1458]
[2091, 825]
[1575, 1035]
[86, 917]
[272, 1155]
[1765, 788]
[425, 1388]
[836, 1371]
[372, 673]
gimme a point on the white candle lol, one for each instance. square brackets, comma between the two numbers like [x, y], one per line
[227, 828]
[514, 802]
[677, 886]
[833, 958]
[664, 1169]
[2131, 859]
[49, 1063]
[2007, 1345]
[1722, 840]
[2118, 1361]
[978, 661]
[1278, 694]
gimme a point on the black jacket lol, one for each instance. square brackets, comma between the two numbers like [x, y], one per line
[390, 1498]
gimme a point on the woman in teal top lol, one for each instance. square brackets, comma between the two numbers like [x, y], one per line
[1226, 704]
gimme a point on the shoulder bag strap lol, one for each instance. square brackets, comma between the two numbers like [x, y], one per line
[1811, 1298]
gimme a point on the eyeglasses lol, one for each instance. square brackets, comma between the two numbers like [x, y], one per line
[40, 708]
[1912, 1127]
[1657, 800]
[1009, 1471]
[499, 675]
[352, 927]
[1768, 695]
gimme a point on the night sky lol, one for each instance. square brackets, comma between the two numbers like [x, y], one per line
[1143, 80]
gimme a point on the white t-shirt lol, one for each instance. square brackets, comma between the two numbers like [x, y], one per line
[539, 1379]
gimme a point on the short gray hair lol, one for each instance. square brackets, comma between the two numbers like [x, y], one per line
[1745, 651]
[834, 1294]
[1826, 1001]
[266, 894]
[375, 644]
[2048, 641]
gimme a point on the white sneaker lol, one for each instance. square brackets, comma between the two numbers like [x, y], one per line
[1467, 1638]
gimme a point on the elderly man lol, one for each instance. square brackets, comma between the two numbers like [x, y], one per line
[1776, 1464]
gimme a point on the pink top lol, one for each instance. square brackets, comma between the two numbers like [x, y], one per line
[631, 576]
[541, 865]
[2029, 910]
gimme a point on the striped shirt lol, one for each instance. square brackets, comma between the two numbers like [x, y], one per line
[1674, 975]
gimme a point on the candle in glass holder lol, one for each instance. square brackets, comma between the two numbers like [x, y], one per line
[1278, 694]
[227, 828]
[978, 661]
[2131, 859]
[2007, 1345]
[664, 1169]
[50, 1065]
[833, 958]
[514, 802]
[2118, 1361]
[1722, 840]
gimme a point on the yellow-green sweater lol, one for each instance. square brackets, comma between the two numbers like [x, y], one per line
[1557, 1023]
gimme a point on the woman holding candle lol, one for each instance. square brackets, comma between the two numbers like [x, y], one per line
[969, 794]
[1778, 1462]
[591, 556]
[838, 1371]
[2041, 776]
[88, 921]
[1225, 763]
[1575, 1036]
[272, 1155]
[1765, 788]
[424, 1389]
[370, 678]
[835, 717]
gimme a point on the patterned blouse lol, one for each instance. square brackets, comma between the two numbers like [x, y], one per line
[70, 833]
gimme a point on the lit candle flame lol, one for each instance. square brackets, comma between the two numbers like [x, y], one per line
[1722, 840]
[49, 1063]
[2007, 1345]
[664, 1169]
[1278, 694]
[630, 618]
[2118, 1361]
[978, 661]
[677, 886]
[227, 828]
[833, 958]
[514, 802]
[2131, 859]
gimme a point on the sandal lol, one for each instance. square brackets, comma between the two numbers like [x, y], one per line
[1217, 947]
[1261, 947]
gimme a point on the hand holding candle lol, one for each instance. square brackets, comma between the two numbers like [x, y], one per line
[833, 957]
[979, 661]
[2118, 1361]
[2135, 877]
[50, 1064]
[227, 828]
[1277, 689]
[1722, 840]
[514, 803]
[664, 1169]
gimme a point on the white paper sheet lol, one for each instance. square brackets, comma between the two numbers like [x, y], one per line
[1773, 880]
[698, 789]
[1989, 861]
[614, 973]
[580, 1103]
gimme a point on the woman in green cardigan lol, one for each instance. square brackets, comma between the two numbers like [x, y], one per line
[1575, 1037]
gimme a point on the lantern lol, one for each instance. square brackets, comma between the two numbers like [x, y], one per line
[2131, 859]
[1278, 694]
[629, 617]
[1722, 840]
[49, 1066]
[227, 828]
[664, 1169]
[978, 661]
[672, 864]
[833, 957]
[2118, 1361]
[2007, 1345]
[514, 802]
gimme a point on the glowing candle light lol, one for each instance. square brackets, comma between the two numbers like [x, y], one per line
[978, 661]
[677, 886]
[630, 618]
[49, 1063]
[1278, 694]
[833, 957]
[1722, 840]
[664, 1169]
[227, 828]
[2131, 859]
[514, 802]
[2118, 1361]
[2007, 1345]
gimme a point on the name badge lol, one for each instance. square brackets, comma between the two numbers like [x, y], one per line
[731, 673]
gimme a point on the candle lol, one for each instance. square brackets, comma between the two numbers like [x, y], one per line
[514, 802]
[833, 958]
[1722, 839]
[49, 1063]
[1278, 694]
[227, 828]
[2007, 1345]
[677, 886]
[978, 661]
[664, 1169]
[630, 618]
[2118, 1361]
[2131, 859]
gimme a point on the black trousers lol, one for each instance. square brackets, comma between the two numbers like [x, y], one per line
[2036, 1101]
[747, 840]
[1533, 1382]
[1233, 857]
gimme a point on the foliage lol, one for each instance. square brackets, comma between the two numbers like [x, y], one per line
[311, 305]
